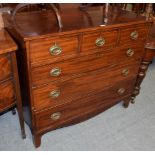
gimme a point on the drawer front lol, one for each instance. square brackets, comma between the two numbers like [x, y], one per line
[52, 49]
[68, 69]
[99, 40]
[133, 34]
[5, 67]
[57, 116]
[7, 95]
[93, 82]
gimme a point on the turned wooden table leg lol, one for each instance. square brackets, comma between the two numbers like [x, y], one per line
[142, 72]
[149, 55]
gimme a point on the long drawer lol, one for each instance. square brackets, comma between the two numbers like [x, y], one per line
[59, 93]
[55, 117]
[7, 96]
[66, 70]
[5, 67]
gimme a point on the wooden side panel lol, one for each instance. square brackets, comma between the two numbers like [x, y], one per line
[23, 71]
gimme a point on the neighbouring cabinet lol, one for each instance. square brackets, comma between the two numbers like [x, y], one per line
[9, 81]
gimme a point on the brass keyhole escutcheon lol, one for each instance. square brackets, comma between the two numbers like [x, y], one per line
[55, 71]
[100, 42]
[134, 35]
[55, 50]
[130, 52]
[56, 116]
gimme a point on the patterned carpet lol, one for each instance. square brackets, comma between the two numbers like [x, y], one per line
[115, 129]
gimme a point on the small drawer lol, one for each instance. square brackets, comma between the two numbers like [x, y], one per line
[52, 49]
[60, 115]
[5, 67]
[99, 40]
[126, 54]
[66, 70]
[133, 34]
[7, 95]
[63, 92]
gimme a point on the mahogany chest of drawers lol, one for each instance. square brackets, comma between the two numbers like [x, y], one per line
[72, 74]
[9, 82]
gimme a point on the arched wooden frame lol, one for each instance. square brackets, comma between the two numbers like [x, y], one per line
[52, 6]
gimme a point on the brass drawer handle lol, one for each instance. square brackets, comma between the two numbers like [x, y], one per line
[55, 50]
[121, 91]
[100, 42]
[125, 72]
[130, 52]
[54, 93]
[55, 72]
[56, 116]
[134, 35]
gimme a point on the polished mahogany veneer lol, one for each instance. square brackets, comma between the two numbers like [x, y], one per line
[71, 74]
[7, 95]
[5, 65]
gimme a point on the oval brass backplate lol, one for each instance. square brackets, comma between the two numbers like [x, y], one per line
[55, 50]
[125, 72]
[121, 91]
[55, 71]
[100, 42]
[134, 35]
[130, 52]
[56, 116]
[54, 94]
